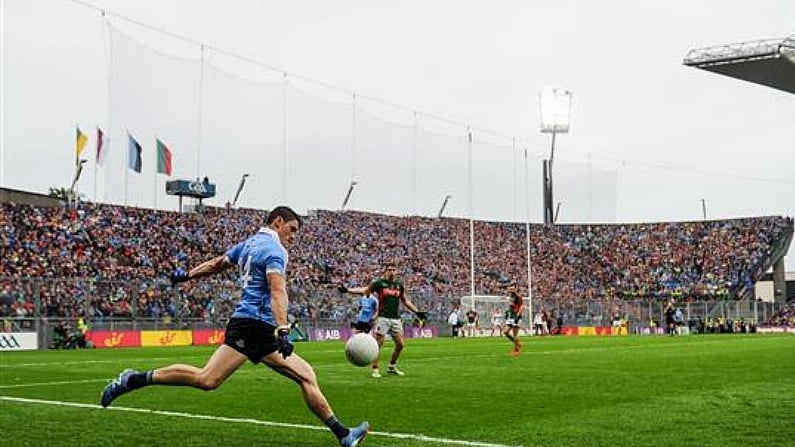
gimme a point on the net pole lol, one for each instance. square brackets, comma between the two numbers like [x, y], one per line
[286, 165]
[4, 35]
[514, 179]
[126, 167]
[527, 237]
[353, 137]
[201, 105]
[106, 136]
[414, 166]
[471, 219]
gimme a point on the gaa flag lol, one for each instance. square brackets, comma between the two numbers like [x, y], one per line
[163, 158]
[80, 144]
[101, 149]
[133, 154]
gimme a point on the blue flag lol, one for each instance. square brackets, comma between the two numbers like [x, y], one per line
[134, 154]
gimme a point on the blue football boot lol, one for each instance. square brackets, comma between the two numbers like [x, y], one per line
[356, 435]
[116, 387]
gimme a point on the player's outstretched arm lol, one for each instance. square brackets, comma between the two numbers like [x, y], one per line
[206, 268]
[412, 307]
[364, 290]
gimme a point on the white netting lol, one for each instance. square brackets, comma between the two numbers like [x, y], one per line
[152, 95]
[304, 144]
[491, 310]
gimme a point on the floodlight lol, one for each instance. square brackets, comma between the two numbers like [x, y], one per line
[555, 110]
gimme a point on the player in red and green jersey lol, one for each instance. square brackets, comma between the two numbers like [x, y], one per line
[513, 316]
[390, 293]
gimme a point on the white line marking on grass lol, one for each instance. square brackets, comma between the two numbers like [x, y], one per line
[64, 382]
[89, 362]
[417, 437]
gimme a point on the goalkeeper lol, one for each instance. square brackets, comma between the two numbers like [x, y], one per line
[257, 331]
[390, 293]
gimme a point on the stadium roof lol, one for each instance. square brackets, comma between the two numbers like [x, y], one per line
[768, 62]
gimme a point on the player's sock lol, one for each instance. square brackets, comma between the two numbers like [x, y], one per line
[340, 431]
[510, 337]
[139, 380]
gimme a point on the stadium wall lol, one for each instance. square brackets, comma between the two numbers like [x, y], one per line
[765, 289]
[15, 196]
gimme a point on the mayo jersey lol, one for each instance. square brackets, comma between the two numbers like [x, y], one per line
[255, 257]
[515, 304]
[389, 294]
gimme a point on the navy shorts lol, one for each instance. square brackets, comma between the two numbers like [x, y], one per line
[362, 326]
[253, 338]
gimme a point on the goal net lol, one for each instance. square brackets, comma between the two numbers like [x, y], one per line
[491, 312]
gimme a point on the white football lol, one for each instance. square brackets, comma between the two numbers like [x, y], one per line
[361, 349]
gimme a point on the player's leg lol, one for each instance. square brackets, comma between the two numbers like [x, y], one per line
[507, 329]
[221, 365]
[396, 331]
[381, 328]
[301, 372]
[517, 344]
[398, 339]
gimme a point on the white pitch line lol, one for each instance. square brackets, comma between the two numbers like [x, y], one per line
[64, 382]
[416, 437]
[89, 362]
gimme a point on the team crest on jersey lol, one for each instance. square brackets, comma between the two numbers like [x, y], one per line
[391, 292]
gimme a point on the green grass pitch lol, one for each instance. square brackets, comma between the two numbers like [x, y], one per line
[565, 391]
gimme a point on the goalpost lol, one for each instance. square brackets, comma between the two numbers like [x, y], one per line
[490, 305]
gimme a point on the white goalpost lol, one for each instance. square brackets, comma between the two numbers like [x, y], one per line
[493, 307]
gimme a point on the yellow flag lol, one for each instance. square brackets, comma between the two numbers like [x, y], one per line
[80, 144]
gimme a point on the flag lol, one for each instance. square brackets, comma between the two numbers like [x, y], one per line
[80, 144]
[163, 158]
[100, 146]
[134, 154]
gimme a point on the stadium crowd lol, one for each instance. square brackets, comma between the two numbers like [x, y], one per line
[784, 317]
[105, 260]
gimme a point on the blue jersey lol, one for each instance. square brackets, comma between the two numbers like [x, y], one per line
[368, 306]
[255, 257]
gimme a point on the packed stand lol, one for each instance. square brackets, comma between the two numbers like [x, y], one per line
[106, 261]
[784, 317]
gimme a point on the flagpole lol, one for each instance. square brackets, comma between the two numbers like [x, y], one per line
[95, 181]
[155, 189]
[96, 157]
[77, 161]
[157, 166]
[126, 168]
